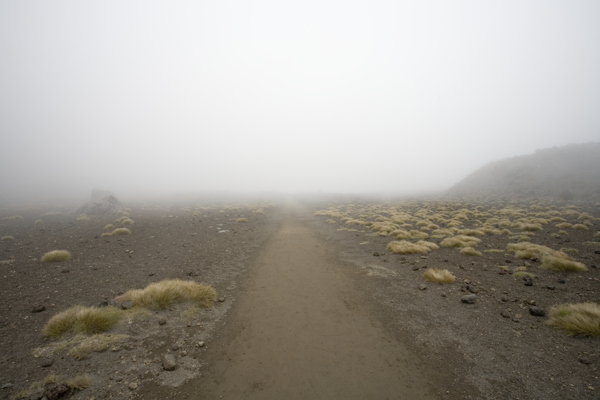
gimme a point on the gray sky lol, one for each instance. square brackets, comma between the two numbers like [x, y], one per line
[337, 96]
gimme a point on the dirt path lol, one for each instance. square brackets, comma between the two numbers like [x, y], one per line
[298, 331]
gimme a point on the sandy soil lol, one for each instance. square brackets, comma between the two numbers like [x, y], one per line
[306, 311]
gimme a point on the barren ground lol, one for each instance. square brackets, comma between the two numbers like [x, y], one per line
[307, 311]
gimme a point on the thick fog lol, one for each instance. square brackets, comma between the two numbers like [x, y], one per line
[142, 97]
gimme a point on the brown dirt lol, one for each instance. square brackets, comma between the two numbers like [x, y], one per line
[308, 311]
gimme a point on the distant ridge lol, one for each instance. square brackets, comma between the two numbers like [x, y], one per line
[569, 172]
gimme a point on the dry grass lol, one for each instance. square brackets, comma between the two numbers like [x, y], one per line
[406, 247]
[87, 320]
[121, 231]
[109, 227]
[522, 274]
[439, 275]
[78, 383]
[83, 217]
[525, 250]
[576, 319]
[580, 227]
[160, 295]
[244, 220]
[469, 251]
[460, 241]
[7, 238]
[38, 222]
[12, 218]
[84, 345]
[56, 256]
[560, 264]
[127, 221]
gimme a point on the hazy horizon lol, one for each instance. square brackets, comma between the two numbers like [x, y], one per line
[151, 98]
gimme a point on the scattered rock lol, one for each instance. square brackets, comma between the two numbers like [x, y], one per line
[103, 304]
[126, 305]
[550, 287]
[221, 299]
[561, 281]
[56, 391]
[537, 311]
[584, 360]
[201, 344]
[7, 386]
[472, 289]
[443, 295]
[504, 299]
[376, 254]
[65, 271]
[469, 299]
[507, 261]
[415, 267]
[597, 251]
[38, 308]
[505, 314]
[133, 386]
[528, 282]
[175, 347]
[169, 363]
[46, 362]
[162, 321]
[422, 286]
[535, 259]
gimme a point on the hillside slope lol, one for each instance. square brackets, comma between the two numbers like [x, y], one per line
[569, 172]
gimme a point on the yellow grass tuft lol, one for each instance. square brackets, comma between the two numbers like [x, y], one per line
[109, 227]
[597, 235]
[560, 264]
[7, 238]
[576, 319]
[80, 382]
[12, 218]
[469, 251]
[87, 320]
[56, 256]
[83, 217]
[127, 221]
[439, 275]
[246, 220]
[522, 274]
[121, 231]
[406, 247]
[460, 241]
[38, 222]
[580, 227]
[160, 295]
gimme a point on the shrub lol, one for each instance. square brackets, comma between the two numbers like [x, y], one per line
[87, 320]
[160, 295]
[576, 319]
[246, 220]
[553, 263]
[8, 238]
[121, 231]
[469, 251]
[439, 275]
[56, 256]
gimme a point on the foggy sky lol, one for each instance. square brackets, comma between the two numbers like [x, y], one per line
[336, 96]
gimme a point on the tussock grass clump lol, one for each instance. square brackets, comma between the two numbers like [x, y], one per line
[560, 264]
[78, 383]
[39, 221]
[406, 247]
[56, 256]
[460, 241]
[471, 232]
[525, 250]
[417, 235]
[12, 218]
[121, 231]
[87, 320]
[242, 220]
[469, 251]
[576, 319]
[83, 217]
[7, 238]
[597, 235]
[564, 225]
[127, 221]
[580, 227]
[109, 227]
[522, 274]
[439, 275]
[160, 295]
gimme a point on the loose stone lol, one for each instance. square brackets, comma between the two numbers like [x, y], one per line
[469, 299]
[537, 311]
[169, 363]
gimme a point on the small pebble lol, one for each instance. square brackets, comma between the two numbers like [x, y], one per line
[468, 299]
[550, 287]
[422, 286]
[537, 311]
[133, 386]
[162, 321]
